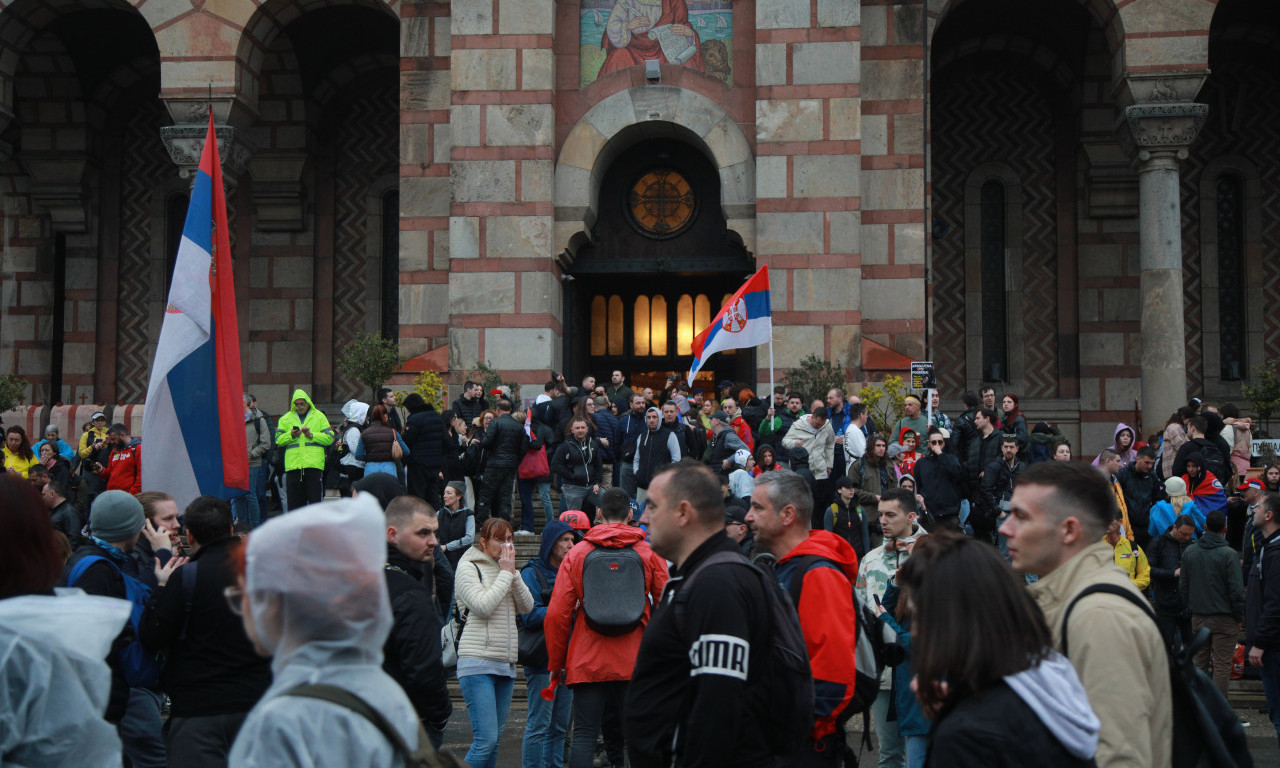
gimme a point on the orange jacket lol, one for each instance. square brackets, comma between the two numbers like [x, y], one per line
[827, 621]
[586, 655]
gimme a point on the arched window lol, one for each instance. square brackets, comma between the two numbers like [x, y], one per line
[658, 326]
[995, 350]
[641, 325]
[1232, 301]
[684, 325]
[701, 314]
[617, 337]
[599, 326]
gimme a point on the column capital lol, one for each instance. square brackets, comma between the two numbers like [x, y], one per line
[1160, 132]
[185, 144]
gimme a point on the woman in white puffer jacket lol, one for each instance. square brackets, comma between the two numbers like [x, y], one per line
[490, 594]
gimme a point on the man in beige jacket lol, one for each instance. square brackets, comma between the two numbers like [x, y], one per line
[1059, 512]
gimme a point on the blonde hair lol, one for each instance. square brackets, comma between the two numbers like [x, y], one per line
[1179, 502]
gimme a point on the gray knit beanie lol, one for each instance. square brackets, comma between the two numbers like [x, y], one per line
[115, 516]
[460, 487]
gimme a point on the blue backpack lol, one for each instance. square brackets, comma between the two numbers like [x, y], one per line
[140, 667]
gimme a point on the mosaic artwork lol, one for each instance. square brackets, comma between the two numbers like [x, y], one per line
[617, 34]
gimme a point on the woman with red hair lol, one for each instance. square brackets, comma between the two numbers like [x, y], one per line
[1015, 423]
[52, 671]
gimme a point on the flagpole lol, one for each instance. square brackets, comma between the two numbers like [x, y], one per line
[770, 395]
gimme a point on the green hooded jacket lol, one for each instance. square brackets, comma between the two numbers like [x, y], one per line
[303, 452]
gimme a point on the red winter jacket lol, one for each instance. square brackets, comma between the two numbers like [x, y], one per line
[828, 622]
[586, 655]
[124, 469]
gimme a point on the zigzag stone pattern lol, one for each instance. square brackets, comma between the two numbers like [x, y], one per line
[365, 149]
[980, 116]
[144, 165]
[1244, 121]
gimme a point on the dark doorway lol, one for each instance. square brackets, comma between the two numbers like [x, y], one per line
[660, 265]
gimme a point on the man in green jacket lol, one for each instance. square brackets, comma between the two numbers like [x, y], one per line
[1212, 588]
[303, 433]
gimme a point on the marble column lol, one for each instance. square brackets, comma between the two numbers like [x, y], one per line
[1161, 134]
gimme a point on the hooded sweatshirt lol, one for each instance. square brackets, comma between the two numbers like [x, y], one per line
[586, 655]
[303, 452]
[541, 565]
[1211, 581]
[827, 621]
[820, 443]
[1207, 491]
[1054, 693]
[1127, 456]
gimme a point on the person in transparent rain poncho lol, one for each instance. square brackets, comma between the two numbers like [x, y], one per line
[314, 598]
[54, 680]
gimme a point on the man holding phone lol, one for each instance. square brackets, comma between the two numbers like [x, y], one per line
[303, 433]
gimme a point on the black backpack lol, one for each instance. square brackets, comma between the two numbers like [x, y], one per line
[1206, 730]
[876, 645]
[533, 640]
[782, 697]
[614, 594]
[1215, 462]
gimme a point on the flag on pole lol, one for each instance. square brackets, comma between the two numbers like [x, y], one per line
[193, 428]
[744, 321]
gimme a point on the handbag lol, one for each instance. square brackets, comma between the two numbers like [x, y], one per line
[451, 632]
[397, 452]
[534, 465]
[532, 650]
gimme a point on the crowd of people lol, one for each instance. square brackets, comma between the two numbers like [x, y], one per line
[713, 560]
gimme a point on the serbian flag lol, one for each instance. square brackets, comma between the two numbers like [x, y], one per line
[744, 321]
[193, 427]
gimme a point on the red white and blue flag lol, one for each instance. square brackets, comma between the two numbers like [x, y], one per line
[193, 427]
[744, 321]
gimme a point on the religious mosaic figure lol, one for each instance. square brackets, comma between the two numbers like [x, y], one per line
[638, 30]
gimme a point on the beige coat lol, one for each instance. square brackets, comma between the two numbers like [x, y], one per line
[1120, 658]
[493, 604]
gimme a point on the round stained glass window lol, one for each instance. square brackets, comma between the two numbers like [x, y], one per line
[662, 203]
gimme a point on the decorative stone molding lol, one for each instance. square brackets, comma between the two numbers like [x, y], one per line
[279, 196]
[57, 185]
[186, 142]
[1161, 131]
[1111, 186]
[1160, 87]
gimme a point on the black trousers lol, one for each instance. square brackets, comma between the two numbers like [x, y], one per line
[303, 487]
[202, 742]
[425, 483]
[1169, 625]
[494, 500]
[597, 705]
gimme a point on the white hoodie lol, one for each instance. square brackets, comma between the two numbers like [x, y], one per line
[1054, 693]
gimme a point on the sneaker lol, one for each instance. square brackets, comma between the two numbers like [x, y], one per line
[1245, 723]
[523, 532]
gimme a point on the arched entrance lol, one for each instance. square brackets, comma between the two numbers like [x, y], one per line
[660, 264]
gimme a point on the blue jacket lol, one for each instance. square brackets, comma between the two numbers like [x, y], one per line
[533, 619]
[64, 450]
[607, 426]
[911, 721]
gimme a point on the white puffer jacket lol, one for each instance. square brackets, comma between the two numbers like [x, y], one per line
[493, 598]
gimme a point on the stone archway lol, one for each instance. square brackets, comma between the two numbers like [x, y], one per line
[593, 144]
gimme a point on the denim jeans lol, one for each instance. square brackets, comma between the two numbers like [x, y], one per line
[141, 730]
[547, 722]
[889, 743]
[488, 700]
[1271, 687]
[247, 508]
[543, 486]
[917, 748]
[258, 485]
[571, 496]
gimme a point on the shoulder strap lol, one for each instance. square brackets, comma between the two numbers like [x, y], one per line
[543, 587]
[803, 565]
[1108, 589]
[344, 698]
[83, 565]
[188, 595]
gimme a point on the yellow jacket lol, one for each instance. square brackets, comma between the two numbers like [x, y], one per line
[16, 463]
[303, 452]
[1133, 560]
[87, 440]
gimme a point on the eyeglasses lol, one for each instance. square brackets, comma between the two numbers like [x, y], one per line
[235, 598]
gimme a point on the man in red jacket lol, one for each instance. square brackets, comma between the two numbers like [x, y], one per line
[123, 471]
[595, 664]
[781, 507]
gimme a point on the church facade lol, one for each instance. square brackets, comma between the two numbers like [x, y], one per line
[1076, 200]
